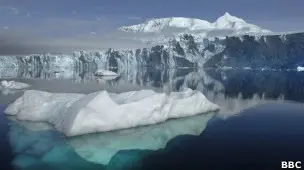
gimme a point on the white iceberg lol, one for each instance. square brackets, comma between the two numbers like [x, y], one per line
[13, 85]
[77, 114]
[300, 68]
[105, 73]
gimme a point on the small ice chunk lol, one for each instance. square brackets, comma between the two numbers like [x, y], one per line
[78, 114]
[13, 85]
[300, 68]
[105, 73]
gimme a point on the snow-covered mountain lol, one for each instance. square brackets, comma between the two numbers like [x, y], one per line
[180, 43]
[166, 28]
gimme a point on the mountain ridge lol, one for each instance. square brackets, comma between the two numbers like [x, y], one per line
[166, 29]
[227, 21]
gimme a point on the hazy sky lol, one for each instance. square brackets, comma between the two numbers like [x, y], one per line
[37, 19]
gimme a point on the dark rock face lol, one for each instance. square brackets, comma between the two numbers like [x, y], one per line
[272, 51]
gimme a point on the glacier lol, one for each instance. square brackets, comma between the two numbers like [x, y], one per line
[256, 52]
[78, 114]
[228, 42]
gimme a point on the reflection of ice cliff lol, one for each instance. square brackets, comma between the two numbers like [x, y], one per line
[217, 86]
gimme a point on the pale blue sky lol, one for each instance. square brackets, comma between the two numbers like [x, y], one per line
[277, 15]
[37, 19]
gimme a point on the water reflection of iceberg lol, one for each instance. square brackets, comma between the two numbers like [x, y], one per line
[101, 147]
[35, 143]
[36, 146]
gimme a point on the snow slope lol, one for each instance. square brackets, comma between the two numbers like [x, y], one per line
[77, 114]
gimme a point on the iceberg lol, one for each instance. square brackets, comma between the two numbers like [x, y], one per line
[105, 73]
[13, 85]
[300, 68]
[77, 114]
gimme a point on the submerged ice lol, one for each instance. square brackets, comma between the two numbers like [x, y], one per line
[77, 114]
[36, 143]
[102, 147]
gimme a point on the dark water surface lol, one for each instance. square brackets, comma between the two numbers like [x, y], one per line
[259, 125]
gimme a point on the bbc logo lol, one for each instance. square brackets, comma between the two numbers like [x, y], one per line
[291, 165]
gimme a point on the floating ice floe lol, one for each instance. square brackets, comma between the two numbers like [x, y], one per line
[247, 68]
[300, 68]
[105, 73]
[78, 114]
[13, 85]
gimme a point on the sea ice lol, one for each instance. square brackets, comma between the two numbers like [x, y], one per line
[13, 85]
[78, 114]
[300, 68]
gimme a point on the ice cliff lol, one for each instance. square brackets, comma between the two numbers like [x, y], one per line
[254, 51]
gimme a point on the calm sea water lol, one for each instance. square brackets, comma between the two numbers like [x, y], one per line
[259, 124]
